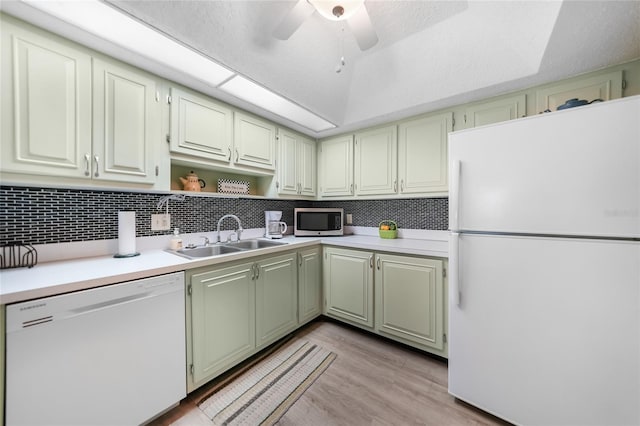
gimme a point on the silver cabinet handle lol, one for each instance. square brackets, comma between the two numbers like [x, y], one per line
[229, 148]
[371, 261]
[300, 258]
[237, 155]
[97, 161]
[395, 186]
[87, 165]
[299, 188]
[257, 272]
[402, 185]
[378, 263]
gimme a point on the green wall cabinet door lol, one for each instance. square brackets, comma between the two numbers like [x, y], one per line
[348, 285]
[222, 312]
[296, 166]
[410, 299]
[335, 166]
[375, 161]
[46, 104]
[276, 298]
[200, 127]
[309, 284]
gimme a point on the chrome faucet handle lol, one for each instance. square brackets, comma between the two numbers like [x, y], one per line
[229, 237]
[206, 240]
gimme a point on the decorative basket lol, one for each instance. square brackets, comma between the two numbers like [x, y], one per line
[390, 233]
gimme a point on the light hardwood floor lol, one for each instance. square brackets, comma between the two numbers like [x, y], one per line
[373, 381]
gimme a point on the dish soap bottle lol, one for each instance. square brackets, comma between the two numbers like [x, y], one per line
[176, 241]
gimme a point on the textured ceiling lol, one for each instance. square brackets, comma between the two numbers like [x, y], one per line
[431, 54]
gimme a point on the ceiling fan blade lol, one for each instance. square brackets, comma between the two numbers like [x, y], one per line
[362, 28]
[292, 21]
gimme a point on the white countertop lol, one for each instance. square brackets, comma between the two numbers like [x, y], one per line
[52, 278]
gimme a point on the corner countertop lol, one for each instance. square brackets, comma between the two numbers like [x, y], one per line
[58, 277]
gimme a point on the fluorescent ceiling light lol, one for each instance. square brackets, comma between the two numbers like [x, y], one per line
[96, 17]
[249, 91]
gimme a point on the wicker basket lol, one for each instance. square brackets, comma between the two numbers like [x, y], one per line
[390, 233]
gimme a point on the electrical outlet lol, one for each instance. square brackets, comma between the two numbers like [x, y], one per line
[160, 222]
[349, 218]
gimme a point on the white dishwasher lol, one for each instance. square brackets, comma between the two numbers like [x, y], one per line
[111, 355]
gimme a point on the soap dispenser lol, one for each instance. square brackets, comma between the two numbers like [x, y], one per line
[176, 241]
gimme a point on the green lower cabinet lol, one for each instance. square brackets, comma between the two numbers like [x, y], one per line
[222, 310]
[408, 293]
[309, 284]
[348, 285]
[236, 309]
[276, 298]
[410, 299]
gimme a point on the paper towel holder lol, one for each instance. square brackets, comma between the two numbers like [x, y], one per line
[126, 235]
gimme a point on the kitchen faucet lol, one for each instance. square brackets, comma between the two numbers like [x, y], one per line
[238, 231]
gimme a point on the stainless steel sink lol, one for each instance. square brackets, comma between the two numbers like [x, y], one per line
[255, 244]
[220, 249]
[207, 251]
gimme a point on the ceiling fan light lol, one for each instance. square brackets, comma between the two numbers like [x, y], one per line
[326, 8]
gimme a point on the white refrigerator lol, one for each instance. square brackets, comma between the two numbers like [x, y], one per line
[544, 285]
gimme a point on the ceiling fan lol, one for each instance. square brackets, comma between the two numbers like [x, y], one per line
[352, 11]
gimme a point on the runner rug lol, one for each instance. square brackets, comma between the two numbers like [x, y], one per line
[265, 392]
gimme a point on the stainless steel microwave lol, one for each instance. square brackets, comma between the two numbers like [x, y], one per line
[309, 222]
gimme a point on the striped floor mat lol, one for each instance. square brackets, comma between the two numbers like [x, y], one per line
[265, 392]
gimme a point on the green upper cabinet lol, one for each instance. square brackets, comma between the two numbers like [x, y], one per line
[495, 111]
[276, 298]
[410, 299]
[254, 142]
[68, 114]
[335, 164]
[46, 105]
[309, 284]
[200, 127]
[296, 165]
[46, 115]
[422, 154]
[348, 285]
[126, 117]
[604, 86]
[375, 161]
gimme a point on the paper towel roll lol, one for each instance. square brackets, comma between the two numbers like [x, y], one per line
[126, 233]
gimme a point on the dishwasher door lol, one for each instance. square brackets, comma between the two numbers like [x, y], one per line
[112, 355]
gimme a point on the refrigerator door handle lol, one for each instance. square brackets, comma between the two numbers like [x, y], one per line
[454, 262]
[454, 195]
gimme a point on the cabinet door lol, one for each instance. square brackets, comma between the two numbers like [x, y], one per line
[606, 87]
[222, 319]
[46, 104]
[376, 161]
[496, 111]
[287, 182]
[410, 299]
[348, 285]
[309, 284]
[422, 154]
[254, 141]
[200, 127]
[336, 166]
[276, 298]
[306, 167]
[126, 124]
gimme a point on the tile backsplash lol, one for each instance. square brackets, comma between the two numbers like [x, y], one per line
[49, 215]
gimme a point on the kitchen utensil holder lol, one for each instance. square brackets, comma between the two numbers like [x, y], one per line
[18, 256]
[390, 233]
